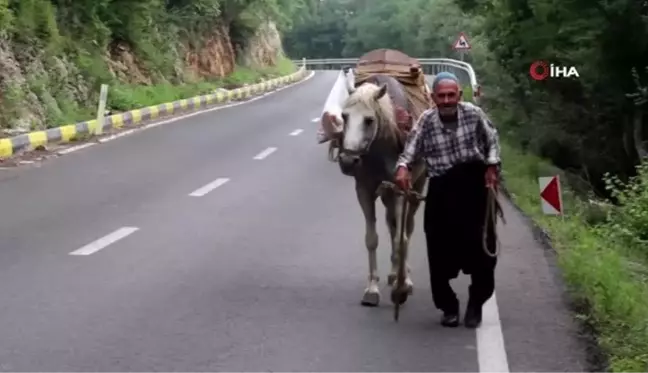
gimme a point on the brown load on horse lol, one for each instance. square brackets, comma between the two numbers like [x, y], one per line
[406, 70]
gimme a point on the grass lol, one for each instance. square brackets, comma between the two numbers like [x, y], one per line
[124, 97]
[606, 275]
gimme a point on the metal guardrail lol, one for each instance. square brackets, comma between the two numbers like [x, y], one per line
[432, 66]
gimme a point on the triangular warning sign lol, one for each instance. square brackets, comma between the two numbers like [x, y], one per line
[461, 43]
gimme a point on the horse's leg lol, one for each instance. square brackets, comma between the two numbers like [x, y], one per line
[409, 230]
[395, 211]
[367, 201]
[419, 186]
[392, 224]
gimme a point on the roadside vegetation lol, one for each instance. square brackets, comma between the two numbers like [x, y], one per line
[602, 254]
[588, 130]
[55, 54]
[125, 97]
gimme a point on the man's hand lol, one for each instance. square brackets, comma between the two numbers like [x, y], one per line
[403, 179]
[491, 177]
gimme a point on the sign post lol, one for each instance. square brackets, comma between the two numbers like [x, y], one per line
[461, 45]
[551, 195]
[103, 95]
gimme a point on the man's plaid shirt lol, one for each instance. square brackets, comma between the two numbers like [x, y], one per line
[475, 138]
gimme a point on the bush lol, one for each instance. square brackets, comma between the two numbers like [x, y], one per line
[629, 222]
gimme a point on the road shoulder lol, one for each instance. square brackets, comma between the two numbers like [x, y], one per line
[540, 330]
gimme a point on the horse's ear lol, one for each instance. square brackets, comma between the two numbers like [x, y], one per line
[381, 92]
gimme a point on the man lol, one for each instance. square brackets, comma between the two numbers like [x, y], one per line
[461, 149]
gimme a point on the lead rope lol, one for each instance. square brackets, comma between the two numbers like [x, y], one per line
[410, 196]
[492, 208]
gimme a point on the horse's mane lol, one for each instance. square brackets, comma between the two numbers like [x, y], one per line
[383, 108]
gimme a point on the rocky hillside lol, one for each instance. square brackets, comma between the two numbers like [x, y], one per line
[55, 54]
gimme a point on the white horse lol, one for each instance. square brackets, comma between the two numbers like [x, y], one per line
[370, 143]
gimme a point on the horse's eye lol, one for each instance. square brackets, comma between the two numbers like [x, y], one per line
[368, 121]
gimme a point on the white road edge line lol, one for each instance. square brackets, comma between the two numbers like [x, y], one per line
[491, 351]
[296, 132]
[75, 148]
[105, 241]
[175, 119]
[117, 135]
[265, 153]
[209, 187]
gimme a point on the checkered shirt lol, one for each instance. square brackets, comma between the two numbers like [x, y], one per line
[475, 138]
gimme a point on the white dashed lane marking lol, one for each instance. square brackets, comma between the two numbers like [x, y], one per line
[209, 187]
[296, 132]
[105, 241]
[265, 153]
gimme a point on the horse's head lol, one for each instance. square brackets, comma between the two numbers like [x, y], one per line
[367, 114]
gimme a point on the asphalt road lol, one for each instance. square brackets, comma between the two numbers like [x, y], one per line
[264, 272]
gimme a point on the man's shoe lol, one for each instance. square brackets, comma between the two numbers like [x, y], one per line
[473, 317]
[450, 319]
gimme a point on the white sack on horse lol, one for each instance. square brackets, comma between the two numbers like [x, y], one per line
[333, 106]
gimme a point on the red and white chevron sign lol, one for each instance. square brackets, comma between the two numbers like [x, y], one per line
[551, 195]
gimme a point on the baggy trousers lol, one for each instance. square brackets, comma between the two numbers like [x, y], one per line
[454, 219]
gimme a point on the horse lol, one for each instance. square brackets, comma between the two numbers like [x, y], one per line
[370, 143]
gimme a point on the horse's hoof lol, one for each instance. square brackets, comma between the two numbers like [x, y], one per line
[409, 287]
[370, 299]
[399, 297]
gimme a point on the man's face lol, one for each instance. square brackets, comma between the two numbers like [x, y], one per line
[446, 96]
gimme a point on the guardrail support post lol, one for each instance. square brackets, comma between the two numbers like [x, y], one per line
[103, 96]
